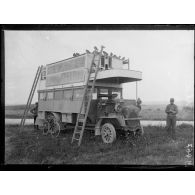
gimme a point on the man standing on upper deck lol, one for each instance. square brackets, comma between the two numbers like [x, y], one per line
[171, 111]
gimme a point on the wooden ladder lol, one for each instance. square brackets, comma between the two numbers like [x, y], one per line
[27, 107]
[82, 118]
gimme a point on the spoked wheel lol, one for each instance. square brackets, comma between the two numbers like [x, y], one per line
[54, 126]
[45, 128]
[139, 131]
[108, 133]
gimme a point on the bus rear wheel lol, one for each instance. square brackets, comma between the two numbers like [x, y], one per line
[54, 126]
[45, 128]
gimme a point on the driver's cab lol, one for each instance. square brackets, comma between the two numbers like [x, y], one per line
[109, 94]
[103, 101]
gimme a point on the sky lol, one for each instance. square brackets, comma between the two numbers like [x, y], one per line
[165, 58]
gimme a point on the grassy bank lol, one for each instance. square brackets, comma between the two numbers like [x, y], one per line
[157, 112]
[154, 148]
[16, 111]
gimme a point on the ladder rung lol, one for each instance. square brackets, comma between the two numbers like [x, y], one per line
[81, 119]
[76, 139]
[77, 132]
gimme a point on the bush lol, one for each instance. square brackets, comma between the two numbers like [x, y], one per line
[188, 108]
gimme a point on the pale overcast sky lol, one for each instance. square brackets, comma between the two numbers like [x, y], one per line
[166, 59]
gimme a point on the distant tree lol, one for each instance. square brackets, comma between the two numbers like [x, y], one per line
[188, 108]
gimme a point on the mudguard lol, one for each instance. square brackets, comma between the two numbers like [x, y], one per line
[119, 118]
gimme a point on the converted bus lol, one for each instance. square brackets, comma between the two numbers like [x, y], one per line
[61, 90]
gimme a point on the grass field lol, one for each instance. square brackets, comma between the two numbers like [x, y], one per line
[157, 112]
[16, 111]
[149, 112]
[154, 148]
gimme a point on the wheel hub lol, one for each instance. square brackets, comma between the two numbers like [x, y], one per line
[107, 133]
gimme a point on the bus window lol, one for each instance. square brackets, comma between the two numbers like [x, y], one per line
[103, 93]
[116, 93]
[42, 95]
[59, 95]
[68, 94]
[50, 95]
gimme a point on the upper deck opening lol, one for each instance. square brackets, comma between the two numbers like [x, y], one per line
[74, 70]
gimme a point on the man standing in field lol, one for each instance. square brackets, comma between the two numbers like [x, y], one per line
[171, 111]
[34, 111]
[138, 103]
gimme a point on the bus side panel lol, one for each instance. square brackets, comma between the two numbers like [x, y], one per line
[45, 105]
[63, 106]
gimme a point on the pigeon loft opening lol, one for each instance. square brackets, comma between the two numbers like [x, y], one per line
[74, 72]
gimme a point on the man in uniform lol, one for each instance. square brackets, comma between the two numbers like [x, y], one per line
[138, 103]
[171, 111]
[34, 111]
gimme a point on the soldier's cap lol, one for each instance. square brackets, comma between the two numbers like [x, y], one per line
[171, 99]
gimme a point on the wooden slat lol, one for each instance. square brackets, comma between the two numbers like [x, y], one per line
[131, 119]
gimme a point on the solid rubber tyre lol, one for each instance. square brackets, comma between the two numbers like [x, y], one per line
[44, 128]
[54, 126]
[108, 133]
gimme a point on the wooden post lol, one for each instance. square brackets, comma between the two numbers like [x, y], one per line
[128, 63]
